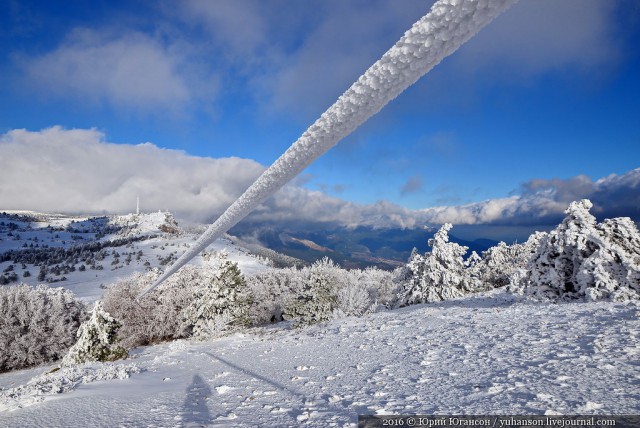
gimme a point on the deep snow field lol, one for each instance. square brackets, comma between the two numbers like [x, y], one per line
[486, 354]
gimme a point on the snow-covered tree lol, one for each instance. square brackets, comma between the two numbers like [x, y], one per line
[96, 340]
[439, 274]
[37, 324]
[158, 315]
[505, 265]
[291, 293]
[317, 300]
[584, 259]
[354, 297]
[170, 225]
[273, 290]
[221, 303]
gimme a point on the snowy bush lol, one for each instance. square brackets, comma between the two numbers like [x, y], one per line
[221, 303]
[505, 265]
[273, 290]
[158, 315]
[294, 293]
[161, 315]
[96, 340]
[37, 324]
[439, 274]
[382, 285]
[585, 259]
[354, 298]
[39, 388]
[317, 300]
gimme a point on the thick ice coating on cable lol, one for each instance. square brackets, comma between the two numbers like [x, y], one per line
[448, 25]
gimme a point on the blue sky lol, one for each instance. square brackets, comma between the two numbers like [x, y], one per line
[547, 93]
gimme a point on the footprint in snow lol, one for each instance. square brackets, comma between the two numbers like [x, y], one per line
[223, 389]
[589, 407]
[303, 368]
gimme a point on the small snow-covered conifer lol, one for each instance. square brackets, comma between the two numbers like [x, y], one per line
[439, 274]
[221, 303]
[317, 300]
[96, 340]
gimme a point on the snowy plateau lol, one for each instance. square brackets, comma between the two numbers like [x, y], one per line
[493, 352]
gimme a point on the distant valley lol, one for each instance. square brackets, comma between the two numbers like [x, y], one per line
[350, 247]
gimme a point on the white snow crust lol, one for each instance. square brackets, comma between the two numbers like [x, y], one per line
[448, 25]
[494, 353]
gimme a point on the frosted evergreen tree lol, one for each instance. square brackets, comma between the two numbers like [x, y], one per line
[96, 340]
[473, 270]
[439, 274]
[317, 300]
[584, 259]
[221, 304]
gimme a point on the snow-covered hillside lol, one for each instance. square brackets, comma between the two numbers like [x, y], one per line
[492, 352]
[488, 354]
[85, 254]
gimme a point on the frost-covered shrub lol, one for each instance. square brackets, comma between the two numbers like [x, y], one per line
[354, 297]
[43, 386]
[158, 315]
[273, 290]
[317, 300]
[96, 340]
[37, 324]
[220, 304]
[439, 274]
[161, 314]
[584, 259]
[382, 285]
[505, 265]
[294, 293]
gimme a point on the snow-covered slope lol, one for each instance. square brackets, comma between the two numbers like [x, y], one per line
[127, 244]
[493, 353]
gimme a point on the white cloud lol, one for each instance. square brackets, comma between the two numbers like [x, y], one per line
[536, 36]
[531, 39]
[298, 57]
[239, 25]
[542, 203]
[58, 170]
[74, 171]
[343, 41]
[123, 69]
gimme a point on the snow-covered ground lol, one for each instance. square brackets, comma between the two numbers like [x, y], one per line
[488, 354]
[60, 231]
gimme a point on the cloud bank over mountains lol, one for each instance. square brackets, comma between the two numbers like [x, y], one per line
[58, 170]
[78, 171]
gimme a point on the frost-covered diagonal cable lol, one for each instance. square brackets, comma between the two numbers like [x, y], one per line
[448, 25]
